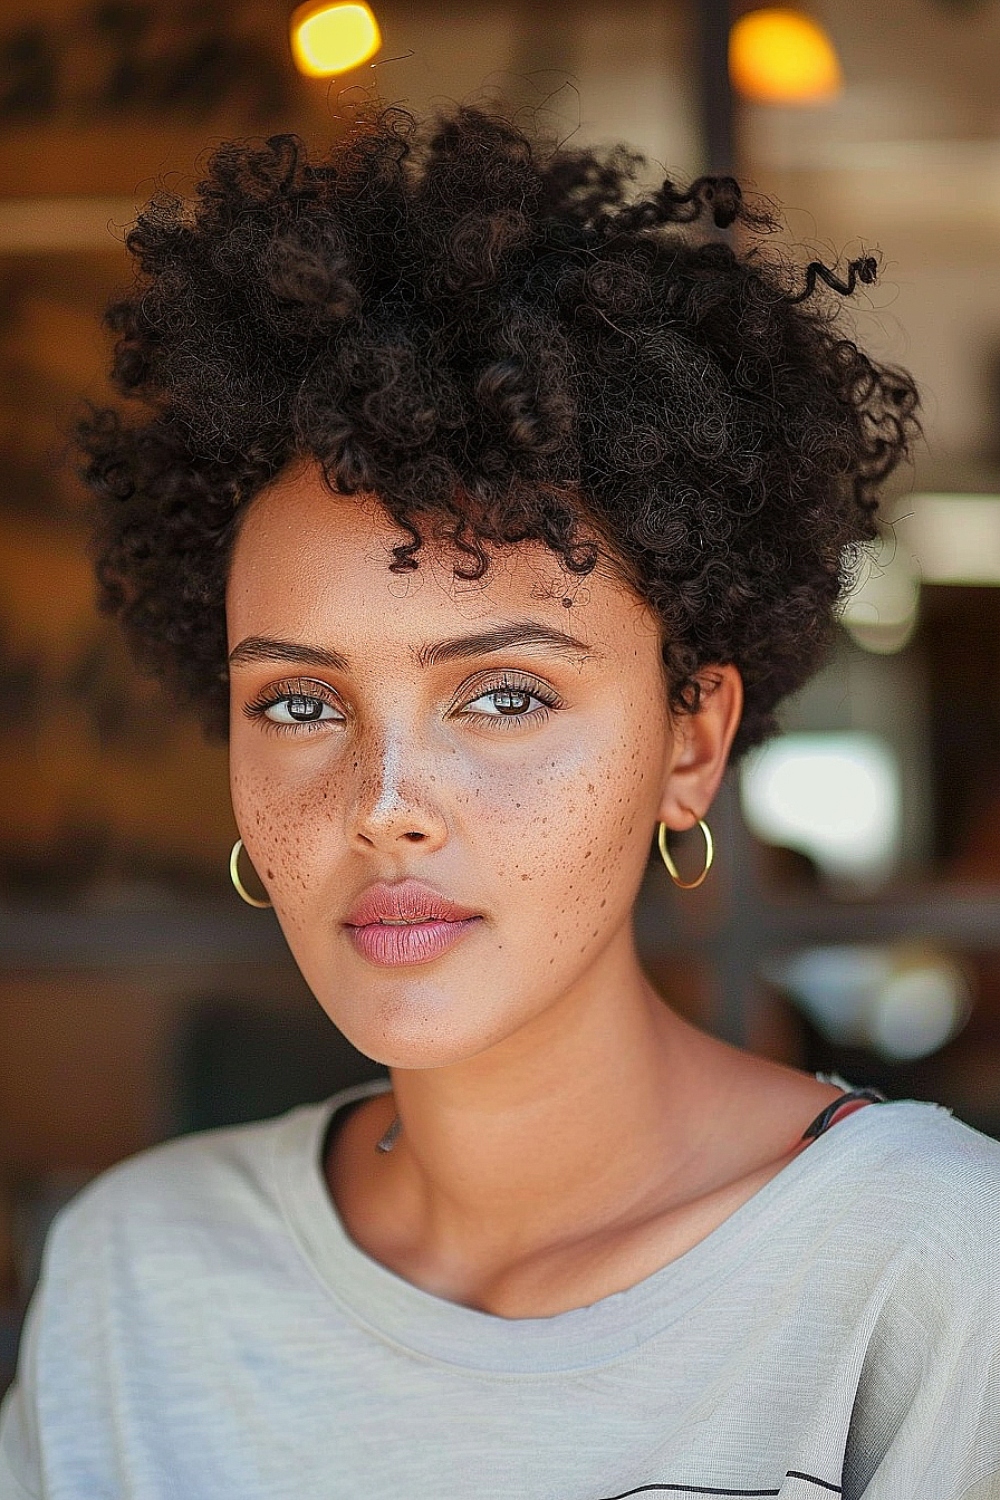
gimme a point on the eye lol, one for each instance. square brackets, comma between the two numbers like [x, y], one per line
[506, 702]
[509, 701]
[296, 704]
[299, 708]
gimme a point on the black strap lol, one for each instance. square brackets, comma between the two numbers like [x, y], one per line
[824, 1120]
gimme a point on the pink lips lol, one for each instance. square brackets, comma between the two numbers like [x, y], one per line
[406, 923]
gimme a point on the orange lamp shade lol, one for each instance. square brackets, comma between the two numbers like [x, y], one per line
[328, 39]
[781, 56]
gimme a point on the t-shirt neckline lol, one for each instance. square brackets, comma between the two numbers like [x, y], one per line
[429, 1326]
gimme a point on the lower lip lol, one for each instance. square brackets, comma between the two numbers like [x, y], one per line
[412, 943]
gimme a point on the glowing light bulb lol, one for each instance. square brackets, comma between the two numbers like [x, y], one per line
[328, 39]
[780, 56]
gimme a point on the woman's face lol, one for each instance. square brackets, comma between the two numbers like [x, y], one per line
[448, 789]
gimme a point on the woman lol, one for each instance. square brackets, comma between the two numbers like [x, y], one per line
[500, 503]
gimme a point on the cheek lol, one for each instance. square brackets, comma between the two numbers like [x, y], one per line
[285, 823]
[569, 840]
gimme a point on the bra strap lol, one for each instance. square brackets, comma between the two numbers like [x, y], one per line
[853, 1100]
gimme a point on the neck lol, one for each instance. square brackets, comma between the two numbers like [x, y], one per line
[573, 1120]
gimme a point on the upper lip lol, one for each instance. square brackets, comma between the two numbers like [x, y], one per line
[406, 901]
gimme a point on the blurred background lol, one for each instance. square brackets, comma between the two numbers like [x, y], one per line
[853, 921]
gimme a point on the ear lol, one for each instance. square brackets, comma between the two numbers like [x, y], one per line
[700, 749]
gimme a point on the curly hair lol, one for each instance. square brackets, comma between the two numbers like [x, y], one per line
[503, 342]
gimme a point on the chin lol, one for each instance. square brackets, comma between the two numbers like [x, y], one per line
[429, 1014]
[418, 1023]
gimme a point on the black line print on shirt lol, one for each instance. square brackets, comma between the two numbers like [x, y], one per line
[707, 1489]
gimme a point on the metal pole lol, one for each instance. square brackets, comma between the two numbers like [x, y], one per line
[714, 20]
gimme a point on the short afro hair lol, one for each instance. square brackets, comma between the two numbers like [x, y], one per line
[503, 342]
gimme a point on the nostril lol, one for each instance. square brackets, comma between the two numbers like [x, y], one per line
[416, 838]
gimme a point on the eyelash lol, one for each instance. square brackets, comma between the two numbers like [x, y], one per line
[306, 687]
[510, 682]
[280, 692]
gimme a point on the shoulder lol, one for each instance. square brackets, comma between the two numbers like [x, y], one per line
[922, 1155]
[927, 1187]
[924, 1233]
[180, 1194]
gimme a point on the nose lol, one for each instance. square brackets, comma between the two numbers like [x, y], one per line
[393, 804]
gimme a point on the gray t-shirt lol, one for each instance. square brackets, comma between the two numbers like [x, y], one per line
[204, 1329]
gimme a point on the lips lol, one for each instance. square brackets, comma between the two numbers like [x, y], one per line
[407, 923]
[409, 901]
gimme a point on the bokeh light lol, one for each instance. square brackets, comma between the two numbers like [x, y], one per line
[780, 56]
[332, 39]
[834, 797]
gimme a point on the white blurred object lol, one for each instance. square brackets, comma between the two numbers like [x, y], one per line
[940, 538]
[881, 610]
[917, 1010]
[953, 538]
[902, 1003]
[832, 796]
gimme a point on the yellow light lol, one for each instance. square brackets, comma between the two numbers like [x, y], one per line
[330, 39]
[780, 56]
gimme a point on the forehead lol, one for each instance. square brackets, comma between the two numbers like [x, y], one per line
[312, 565]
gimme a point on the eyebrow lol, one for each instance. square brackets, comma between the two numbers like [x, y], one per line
[503, 638]
[262, 648]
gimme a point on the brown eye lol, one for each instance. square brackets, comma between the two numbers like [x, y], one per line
[298, 708]
[506, 702]
[511, 701]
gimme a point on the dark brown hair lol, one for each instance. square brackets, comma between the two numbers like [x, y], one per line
[503, 343]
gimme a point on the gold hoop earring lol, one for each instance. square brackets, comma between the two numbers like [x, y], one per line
[234, 875]
[686, 885]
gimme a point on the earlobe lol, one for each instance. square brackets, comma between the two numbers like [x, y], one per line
[700, 750]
